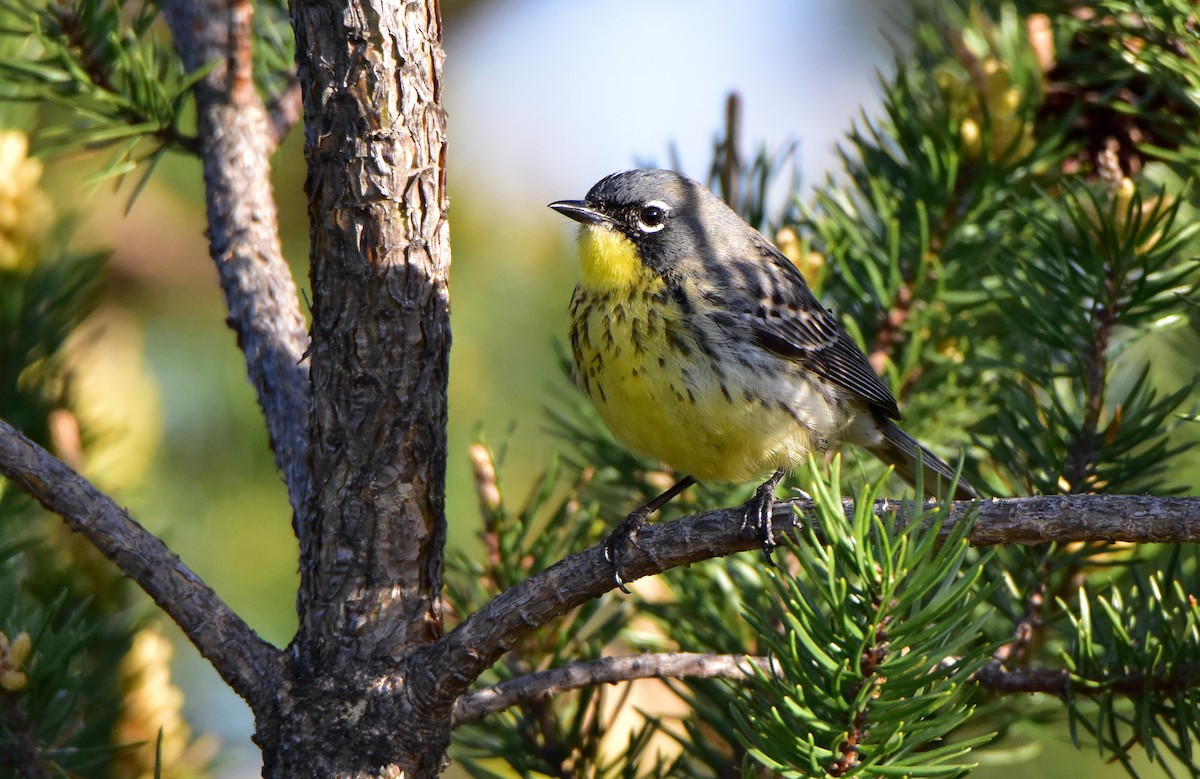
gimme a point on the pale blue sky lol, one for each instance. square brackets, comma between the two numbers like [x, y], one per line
[547, 96]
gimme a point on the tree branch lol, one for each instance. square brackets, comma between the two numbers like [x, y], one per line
[236, 141]
[285, 109]
[605, 670]
[1023, 629]
[248, 664]
[1058, 681]
[1054, 681]
[454, 662]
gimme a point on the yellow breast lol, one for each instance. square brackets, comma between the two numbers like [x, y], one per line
[660, 387]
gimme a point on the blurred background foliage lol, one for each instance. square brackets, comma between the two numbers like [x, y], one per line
[147, 392]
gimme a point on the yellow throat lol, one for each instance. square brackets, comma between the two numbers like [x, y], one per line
[608, 260]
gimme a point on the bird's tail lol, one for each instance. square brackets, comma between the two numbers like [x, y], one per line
[900, 450]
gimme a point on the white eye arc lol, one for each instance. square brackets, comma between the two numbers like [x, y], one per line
[653, 216]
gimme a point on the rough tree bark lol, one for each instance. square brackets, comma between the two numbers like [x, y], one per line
[371, 551]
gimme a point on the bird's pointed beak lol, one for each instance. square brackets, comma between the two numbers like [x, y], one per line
[581, 212]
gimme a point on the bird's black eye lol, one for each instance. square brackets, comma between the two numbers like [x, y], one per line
[652, 216]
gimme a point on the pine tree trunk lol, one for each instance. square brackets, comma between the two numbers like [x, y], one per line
[372, 536]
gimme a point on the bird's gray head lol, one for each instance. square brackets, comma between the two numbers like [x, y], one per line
[668, 217]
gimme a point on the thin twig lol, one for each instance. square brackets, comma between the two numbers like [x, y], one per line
[1024, 628]
[487, 491]
[1054, 681]
[1084, 448]
[285, 110]
[248, 664]
[1000, 666]
[606, 670]
[730, 162]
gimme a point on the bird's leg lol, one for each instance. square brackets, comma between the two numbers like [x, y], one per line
[759, 509]
[626, 532]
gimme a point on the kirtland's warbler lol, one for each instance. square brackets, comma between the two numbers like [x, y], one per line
[700, 345]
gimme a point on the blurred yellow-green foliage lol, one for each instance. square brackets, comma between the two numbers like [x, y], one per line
[25, 211]
[152, 716]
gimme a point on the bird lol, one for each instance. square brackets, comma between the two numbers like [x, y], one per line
[701, 345]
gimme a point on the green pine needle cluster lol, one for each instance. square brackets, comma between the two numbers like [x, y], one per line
[112, 71]
[1134, 664]
[1063, 423]
[877, 634]
[41, 730]
[985, 261]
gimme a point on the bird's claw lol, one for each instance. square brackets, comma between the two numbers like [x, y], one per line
[759, 511]
[625, 534]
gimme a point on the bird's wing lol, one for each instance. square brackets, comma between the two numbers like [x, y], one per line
[792, 323]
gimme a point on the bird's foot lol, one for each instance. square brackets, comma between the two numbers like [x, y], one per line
[625, 535]
[758, 511]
